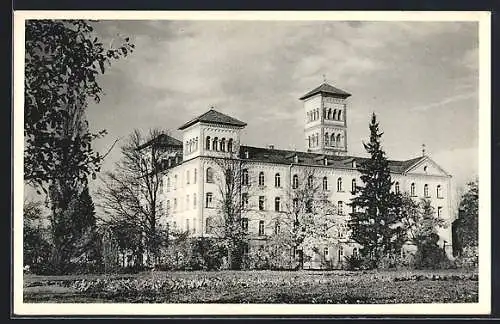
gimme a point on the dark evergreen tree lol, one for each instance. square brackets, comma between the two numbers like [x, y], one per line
[468, 222]
[376, 218]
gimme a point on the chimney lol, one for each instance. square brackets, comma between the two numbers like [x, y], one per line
[296, 159]
[325, 159]
[271, 146]
[246, 154]
[354, 163]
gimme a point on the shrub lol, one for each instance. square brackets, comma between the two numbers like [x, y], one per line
[353, 262]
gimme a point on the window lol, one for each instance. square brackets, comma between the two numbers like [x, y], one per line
[310, 181]
[244, 200]
[412, 189]
[277, 180]
[340, 115]
[340, 206]
[309, 206]
[187, 177]
[168, 206]
[223, 144]
[244, 224]
[208, 225]
[210, 175]
[277, 204]
[230, 145]
[277, 228]
[295, 204]
[325, 252]
[187, 225]
[207, 143]
[396, 188]
[187, 202]
[261, 178]
[244, 177]
[261, 228]
[195, 175]
[353, 186]
[175, 204]
[325, 183]
[438, 191]
[215, 144]
[327, 139]
[261, 202]
[426, 190]
[295, 181]
[332, 140]
[338, 139]
[341, 253]
[208, 201]
[175, 182]
[439, 212]
[194, 201]
[194, 225]
[355, 252]
[339, 184]
[168, 183]
[309, 141]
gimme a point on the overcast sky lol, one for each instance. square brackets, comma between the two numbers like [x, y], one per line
[420, 78]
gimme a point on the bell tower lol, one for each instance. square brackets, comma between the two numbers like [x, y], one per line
[325, 127]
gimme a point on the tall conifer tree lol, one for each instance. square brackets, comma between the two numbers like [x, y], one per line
[376, 218]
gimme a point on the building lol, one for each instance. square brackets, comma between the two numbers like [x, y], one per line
[191, 186]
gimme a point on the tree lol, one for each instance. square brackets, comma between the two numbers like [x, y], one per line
[131, 194]
[376, 218]
[36, 247]
[230, 206]
[62, 62]
[308, 221]
[468, 221]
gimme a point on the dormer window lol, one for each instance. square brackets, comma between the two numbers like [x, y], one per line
[246, 154]
[325, 161]
[296, 159]
[353, 163]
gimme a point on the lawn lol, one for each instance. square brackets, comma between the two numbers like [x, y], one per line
[302, 287]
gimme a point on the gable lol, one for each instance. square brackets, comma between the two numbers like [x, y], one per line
[427, 167]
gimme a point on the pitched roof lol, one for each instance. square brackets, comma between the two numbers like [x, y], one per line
[213, 116]
[305, 158]
[162, 140]
[326, 88]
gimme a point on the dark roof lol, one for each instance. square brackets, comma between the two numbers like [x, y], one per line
[163, 141]
[213, 116]
[326, 88]
[334, 161]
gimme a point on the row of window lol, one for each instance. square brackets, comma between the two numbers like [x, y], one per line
[335, 140]
[439, 193]
[328, 114]
[187, 205]
[191, 146]
[217, 144]
[188, 179]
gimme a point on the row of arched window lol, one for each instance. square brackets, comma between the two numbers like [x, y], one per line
[335, 140]
[191, 145]
[328, 114]
[216, 144]
[439, 192]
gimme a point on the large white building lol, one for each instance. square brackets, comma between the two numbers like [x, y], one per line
[191, 190]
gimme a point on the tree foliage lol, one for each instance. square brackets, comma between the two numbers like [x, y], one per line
[36, 247]
[376, 217]
[62, 63]
[468, 217]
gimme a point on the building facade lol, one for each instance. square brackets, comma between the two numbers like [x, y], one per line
[192, 179]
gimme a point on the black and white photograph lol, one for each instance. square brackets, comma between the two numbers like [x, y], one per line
[251, 163]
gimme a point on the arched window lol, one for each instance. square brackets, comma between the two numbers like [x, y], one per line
[338, 140]
[317, 139]
[324, 113]
[396, 188]
[426, 190]
[330, 113]
[186, 147]
[310, 181]
[325, 183]
[194, 201]
[261, 178]
[339, 184]
[340, 207]
[230, 145]
[277, 180]
[244, 177]
[295, 204]
[334, 114]
[412, 189]
[195, 176]
[215, 144]
[207, 143]
[340, 115]
[168, 184]
[327, 139]
[309, 140]
[196, 144]
[210, 175]
[438, 191]
[295, 181]
[353, 186]
[332, 140]
[277, 201]
[223, 144]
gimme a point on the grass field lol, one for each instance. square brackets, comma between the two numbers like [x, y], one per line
[304, 287]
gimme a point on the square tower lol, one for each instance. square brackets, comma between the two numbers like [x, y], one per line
[325, 126]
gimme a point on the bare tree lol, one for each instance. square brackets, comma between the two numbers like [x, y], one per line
[130, 195]
[309, 220]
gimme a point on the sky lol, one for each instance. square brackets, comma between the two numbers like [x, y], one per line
[420, 78]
